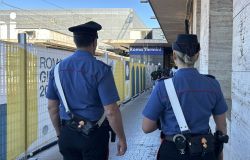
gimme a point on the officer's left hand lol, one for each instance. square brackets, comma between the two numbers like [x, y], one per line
[121, 147]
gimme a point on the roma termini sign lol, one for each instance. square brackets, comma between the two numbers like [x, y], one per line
[146, 50]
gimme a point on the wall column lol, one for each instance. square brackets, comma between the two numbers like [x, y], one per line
[196, 22]
[216, 42]
[216, 48]
[240, 81]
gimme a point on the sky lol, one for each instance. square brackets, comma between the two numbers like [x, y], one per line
[143, 10]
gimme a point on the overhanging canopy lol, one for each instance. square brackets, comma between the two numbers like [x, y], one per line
[125, 44]
[171, 15]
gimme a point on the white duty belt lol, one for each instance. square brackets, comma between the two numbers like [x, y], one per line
[176, 105]
[60, 90]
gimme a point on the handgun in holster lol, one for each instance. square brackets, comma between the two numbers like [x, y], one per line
[220, 139]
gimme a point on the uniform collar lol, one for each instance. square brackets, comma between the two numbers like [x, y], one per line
[81, 53]
[187, 71]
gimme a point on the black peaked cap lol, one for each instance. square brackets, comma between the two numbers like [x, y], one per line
[89, 28]
[187, 44]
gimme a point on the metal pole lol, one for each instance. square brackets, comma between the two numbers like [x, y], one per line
[22, 40]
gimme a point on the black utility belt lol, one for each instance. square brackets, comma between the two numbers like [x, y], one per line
[196, 145]
[85, 128]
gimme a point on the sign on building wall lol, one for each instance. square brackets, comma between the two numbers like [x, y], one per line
[46, 60]
[146, 50]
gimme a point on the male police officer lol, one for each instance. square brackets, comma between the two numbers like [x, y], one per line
[89, 90]
[199, 97]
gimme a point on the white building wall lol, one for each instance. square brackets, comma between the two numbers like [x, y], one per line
[13, 31]
[43, 34]
[204, 37]
[216, 42]
[116, 22]
[240, 121]
[196, 24]
[196, 17]
[136, 35]
[3, 30]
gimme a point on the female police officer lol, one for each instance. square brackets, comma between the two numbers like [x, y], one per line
[199, 96]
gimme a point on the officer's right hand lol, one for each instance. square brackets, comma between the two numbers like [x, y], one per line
[121, 147]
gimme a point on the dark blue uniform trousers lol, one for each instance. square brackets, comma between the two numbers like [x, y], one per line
[168, 151]
[74, 146]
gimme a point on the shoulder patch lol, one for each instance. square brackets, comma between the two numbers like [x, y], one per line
[210, 76]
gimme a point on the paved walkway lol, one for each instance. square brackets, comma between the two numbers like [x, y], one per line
[140, 145]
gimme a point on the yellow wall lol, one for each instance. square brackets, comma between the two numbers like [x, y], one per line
[15, 77]
[32, 98]
[15, 101]
[119, 77]
[135, 65]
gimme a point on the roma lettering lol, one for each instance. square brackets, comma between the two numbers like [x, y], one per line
[46, 64]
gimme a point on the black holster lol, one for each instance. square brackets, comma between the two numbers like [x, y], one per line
[218, 148]
[220, 139]
[85, 130]
[201, 144]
